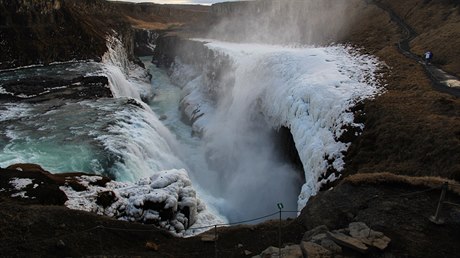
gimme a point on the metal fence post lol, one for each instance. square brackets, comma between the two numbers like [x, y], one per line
[215, 241]
[280, 207]
[435, 218]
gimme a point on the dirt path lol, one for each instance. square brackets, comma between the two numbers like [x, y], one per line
[441, 80]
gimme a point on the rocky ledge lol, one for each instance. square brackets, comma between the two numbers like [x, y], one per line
[41, 88]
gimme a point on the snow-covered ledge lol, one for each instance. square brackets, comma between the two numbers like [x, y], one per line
[166, 199]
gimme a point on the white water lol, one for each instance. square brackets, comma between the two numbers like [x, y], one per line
[235, 167]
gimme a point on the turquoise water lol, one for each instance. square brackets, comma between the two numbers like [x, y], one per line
[117, 137]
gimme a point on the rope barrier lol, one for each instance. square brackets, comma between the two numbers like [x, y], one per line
[132, 230]
[451, 203]
[250, 220]
[155, 229]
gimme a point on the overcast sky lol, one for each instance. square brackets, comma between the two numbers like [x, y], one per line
[207, 2]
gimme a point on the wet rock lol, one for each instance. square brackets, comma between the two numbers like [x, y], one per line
[312, 250]
[106, 198]
[134, 103]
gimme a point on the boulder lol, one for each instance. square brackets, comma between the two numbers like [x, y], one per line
[348, 241]
[312, 250]
[331, 245]
[361, 231]
[316, 231]
[317, 238]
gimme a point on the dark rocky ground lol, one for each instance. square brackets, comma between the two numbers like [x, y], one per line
[399, 207]
[412, 130]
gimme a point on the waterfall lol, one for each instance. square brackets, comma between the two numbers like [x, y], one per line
[125, 78]
[308, 90]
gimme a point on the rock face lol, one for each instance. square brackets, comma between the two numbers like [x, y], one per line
[32, 184]
[145, 42]
[35, 89]
[40, 32]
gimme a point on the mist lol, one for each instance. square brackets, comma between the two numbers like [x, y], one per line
[312, 22]
[241, 148]
[245, 168]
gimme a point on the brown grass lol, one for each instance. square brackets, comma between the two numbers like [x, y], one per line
[141, 24]
[390, 178]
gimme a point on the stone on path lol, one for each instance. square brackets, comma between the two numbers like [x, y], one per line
[362, 232]
[292, 251]
[348, 241]
[316, 231]
[312, 250]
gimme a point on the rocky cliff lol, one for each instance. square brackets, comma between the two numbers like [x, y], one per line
[39, 32]
[42, 32]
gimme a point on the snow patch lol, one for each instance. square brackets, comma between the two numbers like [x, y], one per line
[21, 194]
[20, 183]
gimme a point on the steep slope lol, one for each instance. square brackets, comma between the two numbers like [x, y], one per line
[411, 129]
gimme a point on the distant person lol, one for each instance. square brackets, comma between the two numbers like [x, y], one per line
[428, 57]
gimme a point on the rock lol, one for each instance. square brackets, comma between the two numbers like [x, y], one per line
[239, 246]
[348, 241]
[331, 245]
[60, 244]
[381, 243]
[312, 250]
[105, 198]
[247, 252]
[361, 231]
[152, 246]
[316, 231]
[318, 238]
[292, 251]
[163, 117]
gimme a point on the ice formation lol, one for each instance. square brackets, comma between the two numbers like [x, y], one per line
[166, 199]
[309, 90]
